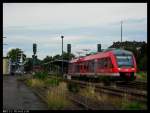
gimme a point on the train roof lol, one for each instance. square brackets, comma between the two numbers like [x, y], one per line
[121, 51]
[104, 53]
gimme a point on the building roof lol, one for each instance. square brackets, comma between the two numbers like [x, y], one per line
[57, 62]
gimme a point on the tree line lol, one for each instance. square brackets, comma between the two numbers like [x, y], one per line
[139, 50]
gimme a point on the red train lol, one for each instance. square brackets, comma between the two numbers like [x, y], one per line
[112, 63]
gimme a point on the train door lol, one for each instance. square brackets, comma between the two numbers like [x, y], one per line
[95, 66]
[82, 68]
[91, 66]
[108, 65]
[79, 68]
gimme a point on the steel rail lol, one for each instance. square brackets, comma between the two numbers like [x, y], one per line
[130, 93]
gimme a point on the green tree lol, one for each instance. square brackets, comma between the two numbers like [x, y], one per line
[15, 55]
[57, 57]
[67, 56]
[45, 62]
[28, 64]
[47, 59]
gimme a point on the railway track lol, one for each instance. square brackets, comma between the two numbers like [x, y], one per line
[85, 103]
[90, 104]
[131, 94]
[141, 85]
[133, 90]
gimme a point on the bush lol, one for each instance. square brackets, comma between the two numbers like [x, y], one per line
[142, 75]
[40, 75]
[143, 63]
[133, 106]
[52, 81]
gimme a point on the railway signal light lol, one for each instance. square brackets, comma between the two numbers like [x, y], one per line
[98, 47]
[69, 48]
[32, 56]
[35, 57]
[34, 48]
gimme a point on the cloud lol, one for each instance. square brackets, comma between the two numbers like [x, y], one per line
[83, 25]
[67, 15]
[48, 45]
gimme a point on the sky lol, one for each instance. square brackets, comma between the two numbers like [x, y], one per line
[83, 25]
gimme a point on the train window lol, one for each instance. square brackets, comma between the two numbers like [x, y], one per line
[104, 63]
[76, 67]
[81, 66]
[125, 60]
[73, 67]
[91, 66]
[100, 63]
[85, 67]
[70, 67]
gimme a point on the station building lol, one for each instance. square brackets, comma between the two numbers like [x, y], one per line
[6, 67]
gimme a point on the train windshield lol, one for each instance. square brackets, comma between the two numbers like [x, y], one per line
[125, 61]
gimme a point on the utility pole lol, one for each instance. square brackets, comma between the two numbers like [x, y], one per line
[121, 32]
[62, 54]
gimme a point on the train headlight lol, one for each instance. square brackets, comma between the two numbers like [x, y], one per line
[132, 69]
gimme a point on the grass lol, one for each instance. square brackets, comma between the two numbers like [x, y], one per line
[123, 103]
[89, 92]
[142, 75]
[57, 97]
[35, 82]
[72, 87]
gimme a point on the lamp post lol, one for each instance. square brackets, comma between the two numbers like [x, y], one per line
[62, 54]
[121, 32]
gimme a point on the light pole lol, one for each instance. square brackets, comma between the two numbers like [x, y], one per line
[62, 54]
[121, 33]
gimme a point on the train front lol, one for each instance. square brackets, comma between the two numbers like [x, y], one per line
[125, 64]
